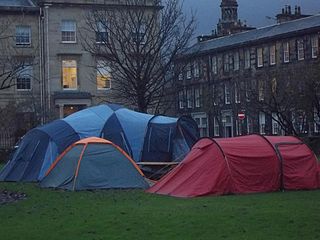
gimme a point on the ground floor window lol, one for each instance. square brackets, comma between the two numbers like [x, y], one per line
[202, 121]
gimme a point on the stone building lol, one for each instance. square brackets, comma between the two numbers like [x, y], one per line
[55, 75]
[257, 81]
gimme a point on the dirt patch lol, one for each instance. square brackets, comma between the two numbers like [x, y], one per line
[10, 197]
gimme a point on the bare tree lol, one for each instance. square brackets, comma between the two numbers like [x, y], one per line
[138, 41]
[12, 60]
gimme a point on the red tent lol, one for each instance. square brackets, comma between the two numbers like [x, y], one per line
[240, 165]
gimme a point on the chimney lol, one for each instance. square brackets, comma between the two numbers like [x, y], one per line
[289, 9]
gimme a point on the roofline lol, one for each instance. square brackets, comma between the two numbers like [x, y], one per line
[250, 42]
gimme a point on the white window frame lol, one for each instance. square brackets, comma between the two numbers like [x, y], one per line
[196, 69]
[237, 94]
[316, 120]
[272, 53]
[202, 121]
[181, 99]
[247, 59]
[236, 61]
[101, 29]
[262, 89]
[25, 73]
[286, 52]
[227, 94]
[262, 123]
[214, 65]
[197, 96]
[275, 124]
[314, 46]
[300, 49]
[103, 71]
[189, 72]
[180, 76]
[226, 63]
[260, 57]
[249, 125]
[68, 27]
[216, 127]
[189, 98]
[23, 32]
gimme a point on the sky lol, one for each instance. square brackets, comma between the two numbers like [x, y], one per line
[255, 12]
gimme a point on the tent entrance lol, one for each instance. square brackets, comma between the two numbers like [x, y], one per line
[296, 166]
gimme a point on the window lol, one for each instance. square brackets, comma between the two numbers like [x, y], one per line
[237, 93]
[189, 99]
[249, 125]
[214, 65]
[181, 99]
[248, 90]
[196, 69]
[315, 46]
[272, 53]
[189, 71]
[23, 35]
[24, 78]
[236, 61]
[216, 130]
[300, 46]
[69, 74]
[274, 85]
[202, 121]
[260, 57]
[68, 31]
[180, 77]
[101, 32]
[227, 95]
[197, 94]
[262, 88]
[286, 52]
[103, 76]
[139, 34]
[262, 122]
[275, 124]
[214, 95]
[316, 119]
[247, 59]
[226, 63]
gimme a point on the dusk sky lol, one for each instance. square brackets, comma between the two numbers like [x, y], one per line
[255, 12]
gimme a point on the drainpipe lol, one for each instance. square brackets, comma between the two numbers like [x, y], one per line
[40, 66]
[48, 57]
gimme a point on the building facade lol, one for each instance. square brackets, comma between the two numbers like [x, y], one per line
[263, 81]
[54, 76]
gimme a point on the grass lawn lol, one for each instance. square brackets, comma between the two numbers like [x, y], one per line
[49, 214]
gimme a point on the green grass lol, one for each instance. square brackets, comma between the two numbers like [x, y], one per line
[49, 214]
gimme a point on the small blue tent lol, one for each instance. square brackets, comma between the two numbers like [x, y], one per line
[144, 137]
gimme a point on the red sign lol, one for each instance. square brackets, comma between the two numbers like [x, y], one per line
[241, 115]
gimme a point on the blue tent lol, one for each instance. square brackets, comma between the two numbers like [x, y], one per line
[144, 137]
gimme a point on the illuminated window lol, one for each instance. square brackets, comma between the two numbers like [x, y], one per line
[69, 74]
[68, 31]
[103, 76]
